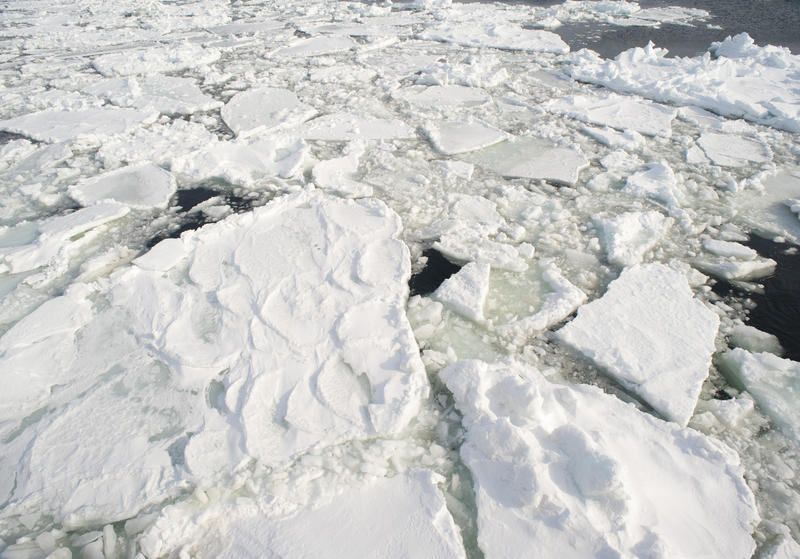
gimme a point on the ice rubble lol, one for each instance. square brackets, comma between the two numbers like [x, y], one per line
[650, 334]
[627, 237]
[739, 80]
[773, 382]
[568, 471]
[155, 93]
[294, 310]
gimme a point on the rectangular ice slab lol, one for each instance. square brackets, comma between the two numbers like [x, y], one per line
[570, 472]
[773, 382]
[650, 334]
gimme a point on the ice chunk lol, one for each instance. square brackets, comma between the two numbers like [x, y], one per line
[403, 516]
[336, 174]
[455, 137]
[172, 58]
[316, 46]
[496, 34]
[729, 248]
[629, 139]
[163, 94]
[256, 110]
[465, 291]
[568, 471]
[141, 186]
[787, 548]
[759, 86]
[730, 150]
[658, 182]
[349, 126]
[627, 237]
[746, 270]
[157, 143]
[773, 382]
[754, 340]
[532, 158]
[650, 334]
[617, 111]
[443, 96]
[59, 126]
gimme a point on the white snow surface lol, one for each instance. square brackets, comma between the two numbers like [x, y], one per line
[451, 138]
[58, 126]
[255, 110]
[568, 471]
[465, 291]
[651, 335]
[629, 236]
[141, 186]
[497, 35]
[617, 111]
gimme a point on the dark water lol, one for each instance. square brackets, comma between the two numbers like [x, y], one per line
[774, 22]
[436, 270]
[777, 310]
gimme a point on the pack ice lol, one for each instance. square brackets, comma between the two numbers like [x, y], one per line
[568, 471]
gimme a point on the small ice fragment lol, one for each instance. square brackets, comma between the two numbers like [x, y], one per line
[658, 181]
[746, 270]
[465, 291]
[650, 334]
[263, 109]
[336, 174]
[532, 158]
[629, 236]
[730, 150]
[142, 186]
[460, 136]
[772, 381]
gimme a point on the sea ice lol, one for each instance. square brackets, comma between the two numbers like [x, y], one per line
[59, 126]
[741, 81]
[617, 111]
[142, 186]
[658, 182]
[316, 46]
[729, 248]
[627, 237]
[650, 334]
[257, 110]
[336, 174]
[351, 126]
[730, 150]
[496, 34]
[173, 58]
[155, 93]
[741, 270]
[532, 158]
[774, 383]
[568, 471]
[402, 516]
[754, 340]
[453, 137]
[465, 291]
[443, 96]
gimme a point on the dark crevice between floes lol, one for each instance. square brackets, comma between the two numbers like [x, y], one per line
[188, 217]
[436, 270]
[777, 309]
[8, 137]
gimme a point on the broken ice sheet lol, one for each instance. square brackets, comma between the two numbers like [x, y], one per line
[351, 126]
[731, 150]
[627, 237]
[58, 126]
[263, 109]
[141, 186]
[617, 111]
[164, 94]
[532, 158]
[496, 34]
[567, 471]
[454, 137]
[650, 334]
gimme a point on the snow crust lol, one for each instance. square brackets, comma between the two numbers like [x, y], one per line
[568, 471]
[651, 335]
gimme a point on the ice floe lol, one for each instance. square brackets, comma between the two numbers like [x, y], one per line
[497, 35]
[617, 111]
[730, 150]
[649, 333]
[443, 96]
[163, 94]
[569, 471]
[262, 109]
[142, 186]
[155, 60]
[627, 237]
[349, 126]
[532, 158]
[59, 126]
[773, 382]
[455, 137]
[465, 291]
[658, 182]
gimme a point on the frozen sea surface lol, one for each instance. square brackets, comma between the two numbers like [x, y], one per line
[402, 279]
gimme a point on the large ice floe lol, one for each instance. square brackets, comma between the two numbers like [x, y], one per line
[393, 279]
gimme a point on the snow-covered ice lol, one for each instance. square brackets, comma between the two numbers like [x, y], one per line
[650, 334]
[627, 237]
[261, 109]
[141, 186]
[617, 111]
[465, 292]
[58, 126]
[570, 471]
[451, 138]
